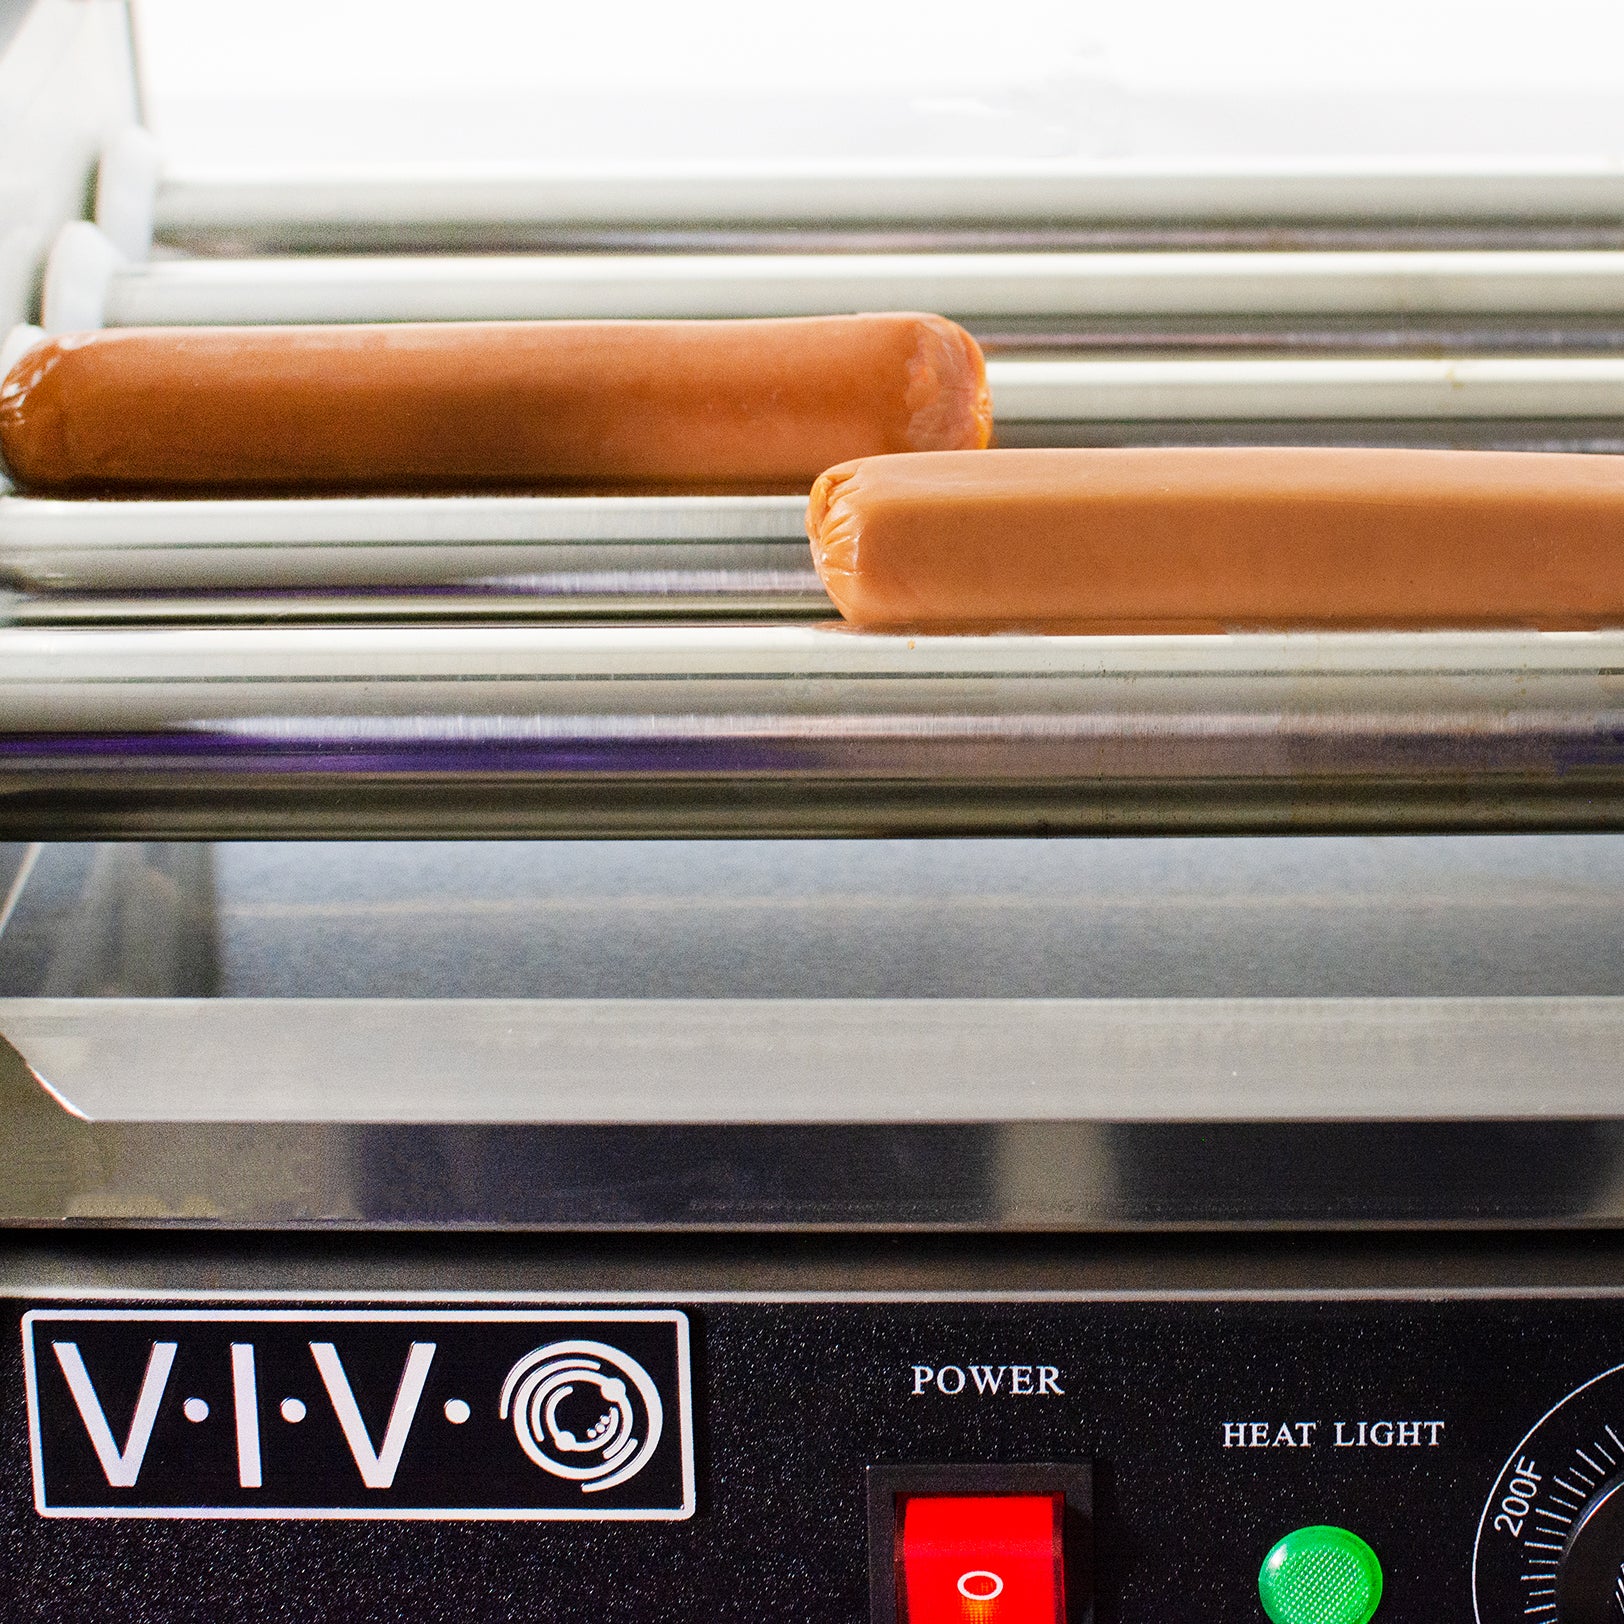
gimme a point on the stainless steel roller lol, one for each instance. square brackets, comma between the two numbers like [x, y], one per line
[644, 725]
[778, 730]
[968, 287]
[452, 207]
[325, 558]
[1039, 391]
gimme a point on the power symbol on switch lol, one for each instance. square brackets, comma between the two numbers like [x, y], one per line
[979, 1585]
[981, 1559]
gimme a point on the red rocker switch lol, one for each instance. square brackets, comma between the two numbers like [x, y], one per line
[981, 1559]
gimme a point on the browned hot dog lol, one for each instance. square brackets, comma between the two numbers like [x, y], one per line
[731, 405]
[1199, 539]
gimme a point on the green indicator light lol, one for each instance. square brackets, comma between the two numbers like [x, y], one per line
[1320, 1576]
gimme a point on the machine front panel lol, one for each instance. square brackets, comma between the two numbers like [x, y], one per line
[1472, 1442]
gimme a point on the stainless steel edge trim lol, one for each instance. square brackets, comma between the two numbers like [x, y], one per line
[1522, 1168]
[824, 1061]
[679, 1298]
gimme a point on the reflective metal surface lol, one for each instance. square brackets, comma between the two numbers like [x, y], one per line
[402, 559]
[524, 206]
[1603, 435]
[1072, 390]
[801, 731]
[1395, 333]
[1570, 235]
[68, 1263]
[1074, 1171]
[1269, 917]
[597, 596]
[1006, 1035]
[1001, 1035]
[1553, 284]
[408, 558]
[654, 1062]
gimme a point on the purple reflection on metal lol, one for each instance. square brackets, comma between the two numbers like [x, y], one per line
[906, 748]
[243, 752]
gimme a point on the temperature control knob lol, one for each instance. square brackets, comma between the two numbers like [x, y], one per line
[1550, 1541]
[1590, 1581]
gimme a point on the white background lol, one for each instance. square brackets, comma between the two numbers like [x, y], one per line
[344, 81]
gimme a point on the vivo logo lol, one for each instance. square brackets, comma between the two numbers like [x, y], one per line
[475, 1413]
[122, 1466]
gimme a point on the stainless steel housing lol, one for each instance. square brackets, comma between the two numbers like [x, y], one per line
[613, 668]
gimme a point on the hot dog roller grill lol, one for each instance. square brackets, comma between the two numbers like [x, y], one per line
[545, 1079]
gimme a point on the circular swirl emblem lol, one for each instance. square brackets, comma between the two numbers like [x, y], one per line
[585, 1412]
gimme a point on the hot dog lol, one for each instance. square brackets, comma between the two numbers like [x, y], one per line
[728, 405]
[1199, 539]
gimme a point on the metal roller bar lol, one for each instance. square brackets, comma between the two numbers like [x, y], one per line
[598, 596]
[1075, 391]
[165, 676]
[564, 555]
[969, 287]
[1397, 334]
[386, 521]
[1047, 1114]
[457, 208]
[1573, 434]
[783, 730]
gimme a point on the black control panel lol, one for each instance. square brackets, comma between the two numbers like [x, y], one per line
[596, 1455]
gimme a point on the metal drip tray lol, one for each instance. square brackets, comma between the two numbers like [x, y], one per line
[1058, 1034]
